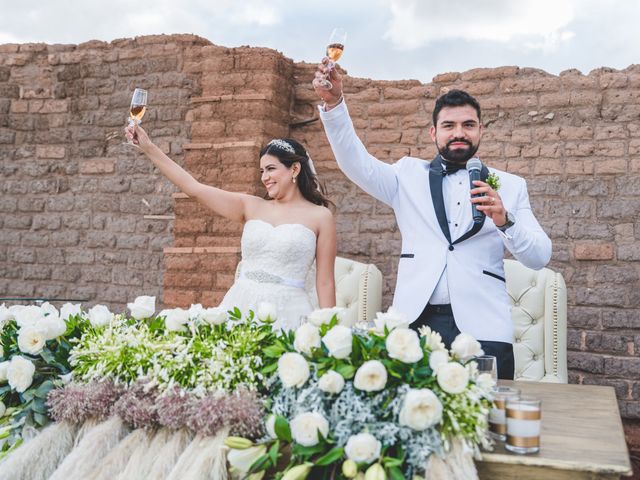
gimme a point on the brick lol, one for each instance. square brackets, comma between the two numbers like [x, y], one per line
[50, 151]
[593, 251]
[587, 362]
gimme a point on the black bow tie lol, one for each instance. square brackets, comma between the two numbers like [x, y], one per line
[449, 168]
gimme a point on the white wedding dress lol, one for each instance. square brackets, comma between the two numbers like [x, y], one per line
[276, 262]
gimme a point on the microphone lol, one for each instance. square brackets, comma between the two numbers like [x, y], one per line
[474, 166]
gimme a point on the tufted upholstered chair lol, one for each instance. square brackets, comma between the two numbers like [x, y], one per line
[539, 312]
[358, 289]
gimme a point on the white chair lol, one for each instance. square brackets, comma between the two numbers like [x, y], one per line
[539, 299]
[358, 289]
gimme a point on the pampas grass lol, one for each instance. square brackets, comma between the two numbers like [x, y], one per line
[115, 462]
[203, 459]
[90, 451]
[38, 458]
[169, 453]
[457, 464]
[145, 456]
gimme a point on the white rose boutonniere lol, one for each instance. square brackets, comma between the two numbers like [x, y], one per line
[305, 428]
[452, 377]
[142, 307]
[20, 373]
[371, 376]
[293, 370]
[339, 341]
[404, 345]
[421, 409]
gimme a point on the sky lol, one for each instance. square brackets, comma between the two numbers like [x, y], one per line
[387, 39]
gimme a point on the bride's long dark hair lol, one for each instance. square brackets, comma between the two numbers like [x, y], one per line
[307, 181]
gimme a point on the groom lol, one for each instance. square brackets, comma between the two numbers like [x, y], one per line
[451, 272]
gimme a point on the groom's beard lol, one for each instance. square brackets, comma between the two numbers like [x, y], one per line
[458, 155]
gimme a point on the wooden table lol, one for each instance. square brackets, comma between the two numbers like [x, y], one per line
[581, 438]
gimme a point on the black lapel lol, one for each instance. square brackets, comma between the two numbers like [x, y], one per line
[435, 182]
[484, 173]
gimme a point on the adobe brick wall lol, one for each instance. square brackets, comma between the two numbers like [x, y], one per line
[83, 217]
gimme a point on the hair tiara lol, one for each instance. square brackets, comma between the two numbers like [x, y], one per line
[282, 145]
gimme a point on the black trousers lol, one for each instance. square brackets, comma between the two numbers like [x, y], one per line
[440, 319]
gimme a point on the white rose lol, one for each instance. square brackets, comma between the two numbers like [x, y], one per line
[70, 310]
[243, 459]
[391, 319]
[31, 340]
[305, 428]
[485, 381]
[371, 376]
[438, 358]
[465, 347]
[421, 409]
[331, 382]
[215, 316]
[338, 341]
[175, 318]
[322, 316]
[293, 370]
[307, 336]
[433, 340]
[195, 311]
[100, 316]
[143, 306]
[2, 409]
[362, 448]
[267, 312]
[52, 327]
[27, 316]
[452, 377]
[20, 373]
[49, 310]
[270, 426]
[404, 345]
[4, 366]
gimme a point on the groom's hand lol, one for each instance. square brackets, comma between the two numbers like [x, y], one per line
[330, 97]
[490, 203]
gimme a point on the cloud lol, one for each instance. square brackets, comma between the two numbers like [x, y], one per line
[540, 23]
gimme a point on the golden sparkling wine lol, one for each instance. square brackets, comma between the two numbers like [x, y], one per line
[334, 51]
[137, 112]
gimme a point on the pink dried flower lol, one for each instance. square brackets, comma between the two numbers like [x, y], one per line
[175, 408]
[77, 402]
[138, 406]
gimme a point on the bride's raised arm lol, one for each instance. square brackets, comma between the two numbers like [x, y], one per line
[231, 205]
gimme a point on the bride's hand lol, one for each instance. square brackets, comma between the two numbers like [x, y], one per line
[137, 135]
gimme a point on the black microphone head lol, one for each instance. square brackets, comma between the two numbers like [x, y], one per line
[474, 164]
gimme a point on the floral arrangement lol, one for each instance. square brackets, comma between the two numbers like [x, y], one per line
[198, 349]
[493, 181]
[35, 342]
[365, 402]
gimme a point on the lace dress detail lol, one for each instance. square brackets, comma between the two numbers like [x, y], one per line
[276, 261]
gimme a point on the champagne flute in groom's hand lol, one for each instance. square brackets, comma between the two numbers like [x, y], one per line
[335, 49]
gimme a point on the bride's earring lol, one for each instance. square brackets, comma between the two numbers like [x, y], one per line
[293, 179]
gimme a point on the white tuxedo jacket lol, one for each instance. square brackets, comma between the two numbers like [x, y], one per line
[475, 269]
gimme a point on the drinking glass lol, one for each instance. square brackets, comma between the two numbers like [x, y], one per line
[488, 364]
[138, 108]
[523, 424]
[335, 49]
[497, 414]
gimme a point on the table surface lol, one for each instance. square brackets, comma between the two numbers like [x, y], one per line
[581, 430]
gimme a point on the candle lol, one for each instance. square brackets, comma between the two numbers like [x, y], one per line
[497, 415]
[523, 425]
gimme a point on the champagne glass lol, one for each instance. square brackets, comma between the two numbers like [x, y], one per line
[138, 108]
[335, 49]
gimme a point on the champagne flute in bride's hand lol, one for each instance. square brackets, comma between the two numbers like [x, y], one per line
[138, 108]
[335, 48]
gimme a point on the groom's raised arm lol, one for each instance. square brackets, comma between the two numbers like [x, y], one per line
[376, 178]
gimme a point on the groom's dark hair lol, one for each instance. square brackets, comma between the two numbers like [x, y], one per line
[455, 98]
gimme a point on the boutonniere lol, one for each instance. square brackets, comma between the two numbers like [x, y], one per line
[493, 181]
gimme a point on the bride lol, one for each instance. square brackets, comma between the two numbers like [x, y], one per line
[282, 236]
